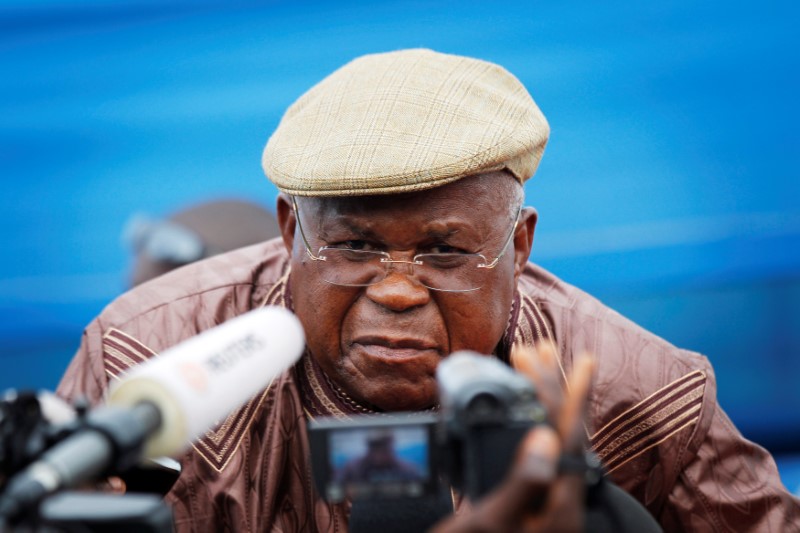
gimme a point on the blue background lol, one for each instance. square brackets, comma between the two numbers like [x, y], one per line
[669, 188]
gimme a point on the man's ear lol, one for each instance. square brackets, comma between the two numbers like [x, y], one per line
[523, 239]
[286, 221]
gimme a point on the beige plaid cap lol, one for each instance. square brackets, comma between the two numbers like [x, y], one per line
[405, 121]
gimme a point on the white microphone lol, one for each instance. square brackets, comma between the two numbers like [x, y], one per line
[164, 404]
[199, 382]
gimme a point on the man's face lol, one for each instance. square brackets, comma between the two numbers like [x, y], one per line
[381, 454]
[381, 344]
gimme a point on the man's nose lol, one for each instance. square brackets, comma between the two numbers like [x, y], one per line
[398, 292]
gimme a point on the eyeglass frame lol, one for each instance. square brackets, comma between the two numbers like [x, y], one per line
[387, 259]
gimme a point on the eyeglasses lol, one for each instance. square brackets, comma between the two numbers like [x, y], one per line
[448, 272]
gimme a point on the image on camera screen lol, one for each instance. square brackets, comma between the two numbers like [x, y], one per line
[378, 461]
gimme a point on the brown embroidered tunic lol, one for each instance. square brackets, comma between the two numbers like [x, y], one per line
[653, 417]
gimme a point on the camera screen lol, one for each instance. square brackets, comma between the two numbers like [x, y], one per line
[378, 461]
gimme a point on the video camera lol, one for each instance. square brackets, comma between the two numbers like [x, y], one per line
[486, 409]
[397, 469]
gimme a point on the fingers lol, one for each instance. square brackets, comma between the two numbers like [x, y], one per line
[536, 496]
[541, 367]
[528, 487]
[116, 485]
[556, 500]
[505, 508]
[534, 471]
[522, 361]
[566, 411]
[112, 484]
[573, 413]
[564, 510]
[539, 453]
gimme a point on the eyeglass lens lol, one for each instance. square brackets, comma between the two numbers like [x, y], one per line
[449, 272]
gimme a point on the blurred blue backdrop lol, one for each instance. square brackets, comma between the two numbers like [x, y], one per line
[669, 189]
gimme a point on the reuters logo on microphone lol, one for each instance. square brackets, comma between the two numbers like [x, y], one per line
[194, 375]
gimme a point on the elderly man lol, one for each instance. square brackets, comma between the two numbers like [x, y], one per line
[404, 239]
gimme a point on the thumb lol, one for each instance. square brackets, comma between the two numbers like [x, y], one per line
[533, 473]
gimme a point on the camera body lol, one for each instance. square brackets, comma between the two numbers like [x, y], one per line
[486, 409]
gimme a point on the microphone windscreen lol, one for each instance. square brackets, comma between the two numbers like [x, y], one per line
[198, 382]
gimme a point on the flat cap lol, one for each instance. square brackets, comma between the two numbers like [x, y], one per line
[405, 121]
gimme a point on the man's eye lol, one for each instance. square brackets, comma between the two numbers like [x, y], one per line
[444, 249]
[354, 245]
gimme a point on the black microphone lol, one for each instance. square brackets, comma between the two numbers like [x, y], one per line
[109, 439]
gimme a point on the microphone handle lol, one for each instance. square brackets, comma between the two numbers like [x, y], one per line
[78, 458]
[110, 440]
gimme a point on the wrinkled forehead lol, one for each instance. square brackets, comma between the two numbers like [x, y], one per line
[494, 196]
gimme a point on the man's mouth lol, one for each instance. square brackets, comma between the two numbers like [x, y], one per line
[400, 348]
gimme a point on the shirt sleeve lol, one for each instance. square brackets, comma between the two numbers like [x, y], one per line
[85, 376]
[728, 484]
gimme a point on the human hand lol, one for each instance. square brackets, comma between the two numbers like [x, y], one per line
[535, 496]
[112, 484]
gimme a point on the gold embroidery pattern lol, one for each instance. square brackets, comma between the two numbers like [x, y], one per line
[319, 392]
[541, 331]
[550, 338]
[347, 399]
[651, 421]
[656, 418]
[524, 334]
[652, 403]
[277, 294]
[655, 439]
[121, 351]
[219, 444]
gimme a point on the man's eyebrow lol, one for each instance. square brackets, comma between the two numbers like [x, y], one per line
[350, 225]
[442, 234]
[358, 229]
